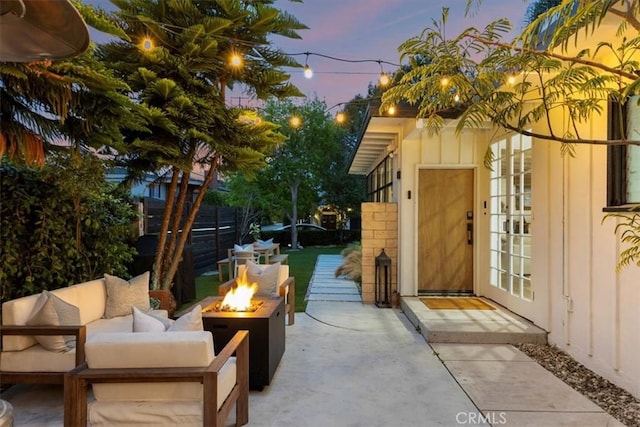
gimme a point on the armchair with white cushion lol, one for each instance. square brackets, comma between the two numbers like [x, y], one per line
[159, 378]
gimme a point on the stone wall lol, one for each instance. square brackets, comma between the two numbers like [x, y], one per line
[379, 231]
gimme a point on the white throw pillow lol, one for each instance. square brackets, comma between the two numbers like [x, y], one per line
[53, 311]
[265, 242]
[190, 321]
[122, 295]
[245, 248]
[265, 276]
[145, 322]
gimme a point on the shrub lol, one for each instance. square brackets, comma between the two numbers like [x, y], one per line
[60, 225]
[351, 266]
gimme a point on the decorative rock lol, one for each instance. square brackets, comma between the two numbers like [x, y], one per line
[614, 400]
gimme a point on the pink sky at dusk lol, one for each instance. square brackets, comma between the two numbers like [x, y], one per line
[364, 29]
[372, 29]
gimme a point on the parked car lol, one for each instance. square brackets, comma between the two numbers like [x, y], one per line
[303, 226]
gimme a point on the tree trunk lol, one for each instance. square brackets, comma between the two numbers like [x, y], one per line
[156, 277]
[294, 214]
[178, 210]
[176, 255]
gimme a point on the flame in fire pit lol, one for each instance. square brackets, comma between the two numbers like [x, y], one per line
[239, 299]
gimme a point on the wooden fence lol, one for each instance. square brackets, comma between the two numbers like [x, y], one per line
[214, 231]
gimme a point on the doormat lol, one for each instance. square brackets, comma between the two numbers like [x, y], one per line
[456, 303]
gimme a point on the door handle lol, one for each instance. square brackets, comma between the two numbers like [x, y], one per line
[470, 233]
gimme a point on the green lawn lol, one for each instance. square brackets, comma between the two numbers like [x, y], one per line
[301, 265]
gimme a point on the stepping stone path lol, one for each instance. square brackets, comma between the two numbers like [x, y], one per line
[324, 286]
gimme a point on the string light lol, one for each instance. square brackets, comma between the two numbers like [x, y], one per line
[146, 43]
[340, 117]
[308, 72]
[295, 121]
[383, 79]
[236, 60]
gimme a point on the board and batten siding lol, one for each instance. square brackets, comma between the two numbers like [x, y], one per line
[593, 311]
[419, 150]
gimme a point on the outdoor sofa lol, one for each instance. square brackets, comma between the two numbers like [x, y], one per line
[43, 335]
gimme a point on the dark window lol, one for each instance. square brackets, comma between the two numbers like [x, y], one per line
[616, 156]
[380, 182]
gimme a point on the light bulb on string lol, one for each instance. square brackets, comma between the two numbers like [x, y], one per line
[340, 117]
[235, 60]
[308, 72]
[384, 77]
[391, 110]
[146, 44]
[295, 121]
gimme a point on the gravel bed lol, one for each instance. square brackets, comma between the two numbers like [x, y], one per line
[614, 400]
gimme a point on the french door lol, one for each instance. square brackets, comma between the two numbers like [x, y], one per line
[510, 220]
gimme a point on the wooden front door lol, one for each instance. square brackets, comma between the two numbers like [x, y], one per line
[445, 230]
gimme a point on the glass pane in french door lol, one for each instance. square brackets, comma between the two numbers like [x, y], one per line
[510, 216]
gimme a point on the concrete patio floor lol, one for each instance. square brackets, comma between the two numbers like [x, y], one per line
[351, 364]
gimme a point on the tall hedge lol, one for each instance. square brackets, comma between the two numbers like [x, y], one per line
[60, 225]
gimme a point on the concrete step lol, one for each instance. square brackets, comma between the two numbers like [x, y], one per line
[499, 326]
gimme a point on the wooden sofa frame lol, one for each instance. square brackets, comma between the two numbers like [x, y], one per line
[77, 381]
[80, 332]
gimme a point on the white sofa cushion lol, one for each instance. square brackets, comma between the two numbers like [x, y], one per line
[109, 413]
[149, 350]
[37, 359]
[118, 324]
[122, 295]
[17, 312]
[89, 297]
[155, 350]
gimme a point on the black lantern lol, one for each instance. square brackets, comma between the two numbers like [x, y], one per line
[383, 280]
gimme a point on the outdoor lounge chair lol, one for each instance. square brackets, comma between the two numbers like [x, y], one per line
[159, 378]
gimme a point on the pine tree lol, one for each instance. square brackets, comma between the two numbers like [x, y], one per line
[177, 63]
